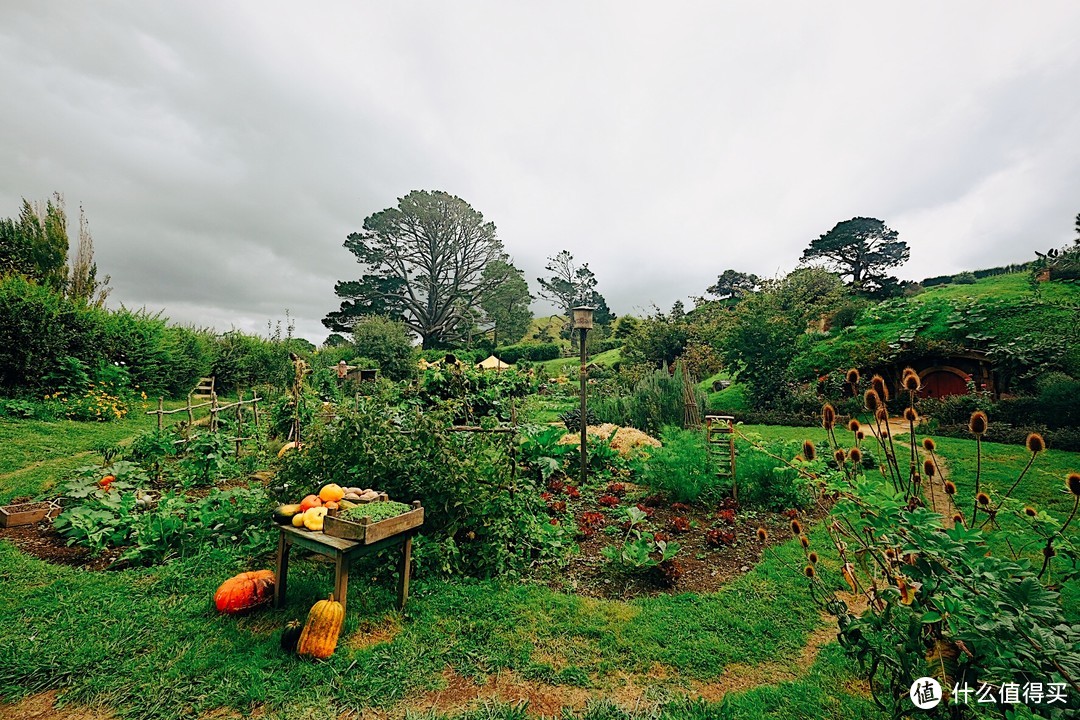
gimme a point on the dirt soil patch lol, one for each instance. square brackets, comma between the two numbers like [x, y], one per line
[43, 707]
[702, 568]
[41, 541]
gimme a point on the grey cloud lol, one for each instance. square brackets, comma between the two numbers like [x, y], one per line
[223, 152]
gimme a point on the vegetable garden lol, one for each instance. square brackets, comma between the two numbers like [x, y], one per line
[646, 592]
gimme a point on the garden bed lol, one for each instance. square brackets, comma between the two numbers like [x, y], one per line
[40, 540]
[702, 569]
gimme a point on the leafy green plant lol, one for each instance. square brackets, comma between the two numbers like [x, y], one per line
[375, 511]
[208, 457]
[940, 604]
[640, 551]
[483, 513]
[682, 468]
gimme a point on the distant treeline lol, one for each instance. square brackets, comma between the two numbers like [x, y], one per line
[979, 274]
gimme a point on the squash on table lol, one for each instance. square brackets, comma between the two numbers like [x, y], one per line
[284, 513]
[314, 518]
[331, 493]
[245, 591]
[298, 520]
[320, 635]
[309, 502]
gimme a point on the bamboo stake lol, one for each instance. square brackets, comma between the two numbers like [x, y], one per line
[160, 412]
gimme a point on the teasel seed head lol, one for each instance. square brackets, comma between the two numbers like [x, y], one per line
[928, 468]
[983, 498]
[839, 456]
[853, 376]
[1073, 481]
[878, 384]
[809, 451]
[1030, 511]
[958, 519]
[812, 557]
[890, 553]
[950, 487]
[856, 455]
[882, 414]
[871, 399]
[977, 424]
[860, 436]
[809, 571]
[804, 541]
[796, 528]
[828, 416]
[1035, 443]
[928, 444]
[762, 534]
[853, 425]
[912, 382]
[910, 415]
[916, 478]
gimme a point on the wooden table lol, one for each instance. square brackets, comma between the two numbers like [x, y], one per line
[342, 552]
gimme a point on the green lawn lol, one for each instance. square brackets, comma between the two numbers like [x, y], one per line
[1043, 488]
[144, 643]
[37, 453]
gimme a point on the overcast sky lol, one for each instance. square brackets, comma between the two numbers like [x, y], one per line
[223, 151]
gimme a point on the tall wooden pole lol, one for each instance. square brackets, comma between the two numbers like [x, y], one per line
[584, 423]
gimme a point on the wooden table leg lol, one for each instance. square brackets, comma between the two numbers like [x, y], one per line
[404, 566]
[281, 570]
[341, 579]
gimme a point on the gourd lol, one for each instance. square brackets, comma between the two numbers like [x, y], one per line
[284, 513]
[331, 493]
[309, 502]
[244, 591]
[314, 518]
[290, 636]
[320, 635]
[298, 520]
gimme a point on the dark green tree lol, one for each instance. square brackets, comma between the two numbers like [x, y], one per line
[36, 243]
[387, 342]
[861, 250]
[763, 339]
[424, 263]
[734, 284]
[506, 305]
[570, 285]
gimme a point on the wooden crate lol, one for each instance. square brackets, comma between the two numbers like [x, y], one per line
[24, 513]
[372, 532]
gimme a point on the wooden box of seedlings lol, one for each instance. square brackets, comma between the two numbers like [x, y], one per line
[24, 513]
[367, 531]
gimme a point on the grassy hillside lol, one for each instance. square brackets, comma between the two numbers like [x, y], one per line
[568, 365]
[1003, 315]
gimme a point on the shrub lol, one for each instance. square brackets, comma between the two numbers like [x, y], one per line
[483, 517]
[388, 343]
[681, 468]
[768, 483]
[964, 278]
[655, 401]
[572, 419]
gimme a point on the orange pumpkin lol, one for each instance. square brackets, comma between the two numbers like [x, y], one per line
[245, 591]
[331, 493]
[309, 502]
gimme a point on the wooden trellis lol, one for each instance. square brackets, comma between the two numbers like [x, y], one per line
[213, 422]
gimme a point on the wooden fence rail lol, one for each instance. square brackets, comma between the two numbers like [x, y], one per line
[215, 411]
